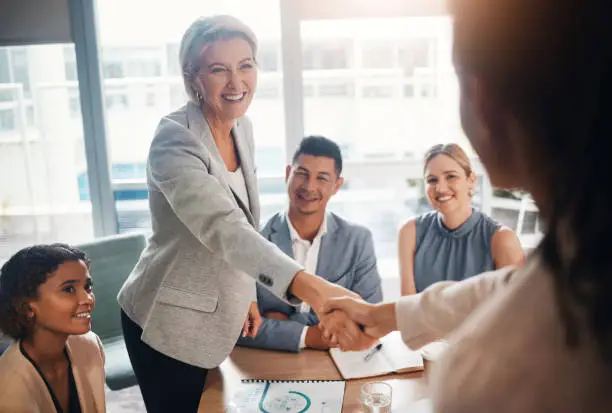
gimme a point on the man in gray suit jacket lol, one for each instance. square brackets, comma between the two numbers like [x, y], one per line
[321, 241]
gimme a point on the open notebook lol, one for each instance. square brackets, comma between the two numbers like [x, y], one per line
[393, 357]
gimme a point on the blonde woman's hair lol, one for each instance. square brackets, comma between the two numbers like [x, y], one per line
[453, 151]
[205, 31]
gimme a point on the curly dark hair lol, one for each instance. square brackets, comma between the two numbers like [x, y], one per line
[20, 278]
[549, 63]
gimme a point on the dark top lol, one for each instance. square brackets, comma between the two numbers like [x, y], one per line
[74, 406]
[442, 254]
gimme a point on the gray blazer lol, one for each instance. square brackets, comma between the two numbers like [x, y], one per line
[190, 290]
[346, 257]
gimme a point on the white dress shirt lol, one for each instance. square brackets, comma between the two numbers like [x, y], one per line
[306, 253]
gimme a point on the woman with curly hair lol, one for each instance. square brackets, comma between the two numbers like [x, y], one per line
[56, 364]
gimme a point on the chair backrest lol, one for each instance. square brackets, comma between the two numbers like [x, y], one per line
[112, 260]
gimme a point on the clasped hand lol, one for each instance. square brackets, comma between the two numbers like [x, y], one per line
[340, 331]
[353, 324]
[346, 320]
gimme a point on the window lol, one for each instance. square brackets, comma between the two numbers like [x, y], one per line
[20, 67]
[172, 62]
[150, 100]
[408, 91]
[415, 54]
[378, 55]
[143, 83]
[7, 120]
[70, 63]
[112, 70]
[71, 71]
[268, 92]
[268, 58]
[42, 163]
[74, 105]
[5, 73]
[308, 91]
[394, 110]
[143, 68]
[340, 89]
[328, 55]
[378, 91]
[116, 102]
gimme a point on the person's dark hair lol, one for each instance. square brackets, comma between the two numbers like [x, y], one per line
[549, 63]
[20, 278]
[320, 146]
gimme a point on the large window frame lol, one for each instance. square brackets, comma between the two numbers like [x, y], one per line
[293, 14]
[84, 33]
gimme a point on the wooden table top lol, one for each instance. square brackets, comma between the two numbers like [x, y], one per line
[246, 363]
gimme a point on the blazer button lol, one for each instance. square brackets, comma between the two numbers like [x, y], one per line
[265, 280]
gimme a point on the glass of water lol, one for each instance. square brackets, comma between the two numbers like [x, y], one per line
[376, 397]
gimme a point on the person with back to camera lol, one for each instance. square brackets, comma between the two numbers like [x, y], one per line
[536, 104]
[455, 241]
[192, 293]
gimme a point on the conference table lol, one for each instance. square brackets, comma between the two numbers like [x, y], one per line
[247, 363]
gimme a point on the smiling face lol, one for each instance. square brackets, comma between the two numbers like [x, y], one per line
[311, 182]
[448, 185]
[65, 301]
[227, 78]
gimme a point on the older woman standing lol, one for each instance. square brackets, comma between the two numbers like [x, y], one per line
[185, 303]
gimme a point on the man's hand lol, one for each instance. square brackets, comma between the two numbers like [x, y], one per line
[314, 339]
[316, 291]
[341, 330]
[252, 322]
[378, 319]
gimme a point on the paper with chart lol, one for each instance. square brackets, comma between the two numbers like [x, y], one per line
[394, 357]
[288, 397]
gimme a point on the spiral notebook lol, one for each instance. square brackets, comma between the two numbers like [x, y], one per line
[393, 356]
[288, 396]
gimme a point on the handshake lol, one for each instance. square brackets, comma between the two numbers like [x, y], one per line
[346, 321]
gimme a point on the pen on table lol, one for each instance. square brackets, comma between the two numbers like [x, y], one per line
[372, 352]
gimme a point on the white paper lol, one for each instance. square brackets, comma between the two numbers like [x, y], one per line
[288, 397]
[394, 356]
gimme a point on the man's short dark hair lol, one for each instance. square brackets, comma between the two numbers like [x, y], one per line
[320, 146]
[20, 278]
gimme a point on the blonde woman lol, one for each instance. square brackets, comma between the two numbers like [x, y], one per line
[455, 241]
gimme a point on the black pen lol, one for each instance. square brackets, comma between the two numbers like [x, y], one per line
[371, 353]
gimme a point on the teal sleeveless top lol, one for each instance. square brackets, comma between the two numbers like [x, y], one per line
[452, 255]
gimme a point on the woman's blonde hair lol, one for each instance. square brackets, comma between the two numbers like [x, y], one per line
[205, 31]
[453, 151]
